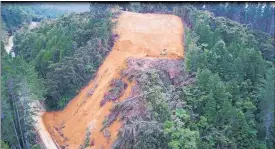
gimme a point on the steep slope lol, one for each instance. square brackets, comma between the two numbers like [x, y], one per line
[140, 35]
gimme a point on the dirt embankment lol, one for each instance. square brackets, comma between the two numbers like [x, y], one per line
[140, 35]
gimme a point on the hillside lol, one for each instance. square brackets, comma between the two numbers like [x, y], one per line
[140, 36]
[153, 76]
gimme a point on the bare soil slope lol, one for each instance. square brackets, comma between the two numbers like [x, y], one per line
[140, 35]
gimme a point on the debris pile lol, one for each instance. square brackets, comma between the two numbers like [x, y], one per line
[117, 88]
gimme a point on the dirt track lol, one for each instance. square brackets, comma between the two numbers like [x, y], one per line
[40, 127]
[140, 35]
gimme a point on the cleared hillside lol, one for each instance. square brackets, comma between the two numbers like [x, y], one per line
[140, 36]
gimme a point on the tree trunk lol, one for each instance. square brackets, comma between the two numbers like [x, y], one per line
[16, 120]
[16, 135]
[19, 123]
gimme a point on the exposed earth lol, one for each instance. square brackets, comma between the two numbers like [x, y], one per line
[153, 36]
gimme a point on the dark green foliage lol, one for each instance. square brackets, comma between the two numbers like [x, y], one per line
[147, 7]
[19, 86]
[266, 107]
[50, 42]
[231, 102]
[157, 99]
[229, 106]
[211, 29]
[15, 15]
[100, 10]
[229, 71]
[258, 16]
[66, 78]
[145, 113]
[181, 137]
[67, 51]
[265, 44]
[3, 50]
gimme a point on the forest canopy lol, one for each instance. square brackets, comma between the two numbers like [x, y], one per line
[227, 100]
[71, 48]
[14, 15]
[231, 103]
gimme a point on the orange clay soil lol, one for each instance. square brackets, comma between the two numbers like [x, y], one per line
[140, 35]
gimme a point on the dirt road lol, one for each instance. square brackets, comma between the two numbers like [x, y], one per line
[140, 35]
[39, 125]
